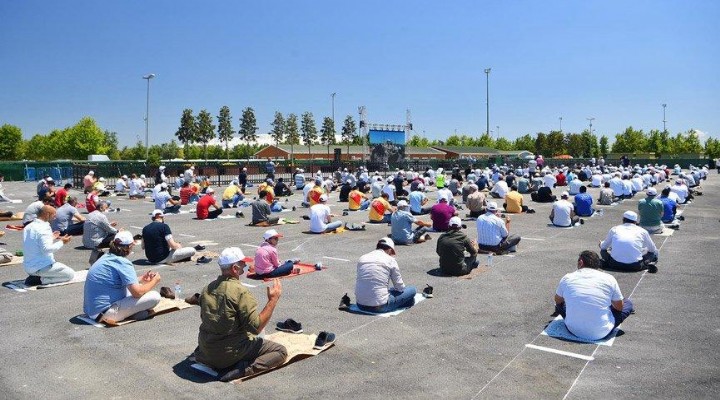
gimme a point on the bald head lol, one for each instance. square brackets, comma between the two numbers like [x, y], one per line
[47, 213]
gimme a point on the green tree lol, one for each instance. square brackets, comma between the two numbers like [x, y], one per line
[603, 146]
[541, 144]
[503, 144]
[327, 133]
[292, 133]
[308, 130]
[204, 129]
[136, 152]
[417, 141]
[657, 142]
[630, 141]
[248, 128]
[186, 131]
[11, 142]
[80, 140]
[712, 148]
[349, 132]
[225, 129]
[525, 142]
[589, 144]
[486, 141]
[692, 142]
[556, 143]
[575, 145]
[453, 140]
[279, 128]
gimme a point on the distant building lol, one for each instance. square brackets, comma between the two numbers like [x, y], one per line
[320, 152]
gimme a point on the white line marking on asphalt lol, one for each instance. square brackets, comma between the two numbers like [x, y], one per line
[561, 352]
[300, 245]
[529, 238]
[186, 235]
[136, 227]
[249, 245]
[333, 258]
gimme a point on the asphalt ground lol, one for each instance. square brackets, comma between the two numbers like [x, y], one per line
[467, 342]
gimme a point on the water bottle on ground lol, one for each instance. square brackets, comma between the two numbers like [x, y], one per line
[178, 291]
[490, 260]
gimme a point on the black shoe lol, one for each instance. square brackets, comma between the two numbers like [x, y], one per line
[199, 247]
[582, 221]
[233, 374]
[204, 260]
[33, 280]
[530, 211]
[324, 340]
[464, 226]
[681, 218]
[428, 291]
[289, 325]
[194, 299]
[306, 217]
[167, 293]
[344, 303]
[345, 213]
[294, 208]
[652, 268]
[239, 214]
[137, 237]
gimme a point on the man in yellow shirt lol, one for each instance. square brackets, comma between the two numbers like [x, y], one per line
[380, 209]
[268, 187]
[314, 194]
[232, 195]
[357, 200]
[514, 202]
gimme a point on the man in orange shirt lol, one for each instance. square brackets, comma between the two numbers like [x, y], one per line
[381, 210]
[514, 202]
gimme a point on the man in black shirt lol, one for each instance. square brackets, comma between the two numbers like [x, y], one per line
[345, 190]
[261, 211]
[242, 179]
[159, 245]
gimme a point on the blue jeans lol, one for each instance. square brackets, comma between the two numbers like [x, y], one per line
[364, 205]
[235, 200]
[619, 316]
[172, 209]
[281, 270]
[397, 300]
[333, 225]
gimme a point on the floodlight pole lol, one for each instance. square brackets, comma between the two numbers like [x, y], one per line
[560, 124]
[591, 119]
[147, 115]
[333, 107]
[664, 121]
[487, 100]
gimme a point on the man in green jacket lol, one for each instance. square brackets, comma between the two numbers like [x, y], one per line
[451, 247]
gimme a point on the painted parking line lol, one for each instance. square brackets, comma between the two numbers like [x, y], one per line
[249, 245]
[529, 238]
[186, 235]
[561, 352]
[136, 227]
[338, 259]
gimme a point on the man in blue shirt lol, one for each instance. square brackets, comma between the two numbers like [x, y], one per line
[669, 206]
[401, 226]
[111, 278]
[419, 202]
[583, 203]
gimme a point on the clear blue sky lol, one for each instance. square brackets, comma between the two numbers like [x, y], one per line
[617, 61]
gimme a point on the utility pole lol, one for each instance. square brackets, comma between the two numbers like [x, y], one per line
[147, 115]
[560, 124]
[591, 119]
[664, 121]
[333, 107]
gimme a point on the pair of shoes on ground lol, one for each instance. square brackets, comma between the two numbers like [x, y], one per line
[204, 260]
[289, 325]
[652, 268]
[199, 247]
[239, 214]
[323, 341]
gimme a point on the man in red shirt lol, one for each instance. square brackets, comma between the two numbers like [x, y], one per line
[441, 213]
[203, 206]
[61, 195]
[92, 200]
[561, 179]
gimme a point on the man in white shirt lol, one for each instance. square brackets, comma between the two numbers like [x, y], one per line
[501, 189]
[549, 180]
[121, 186]
[321, 217]
[574, 186]
[681, 190]
[379, 287]
[563, 213]
[389, 188]
[136, 187]
[39, 244]
[494, 232]
[617, 186]
[164, 201]
[590, 300]
[376, 187]
[629, 247]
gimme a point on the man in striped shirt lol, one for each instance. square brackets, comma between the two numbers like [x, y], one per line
[494, 233]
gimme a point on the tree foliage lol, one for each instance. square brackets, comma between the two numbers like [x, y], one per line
[204, 129]
[248, 128]
[225, 131]
[349, 132]
[11, 142]
[186, 132]
[279, 127]
[327, 132]
[308, 129]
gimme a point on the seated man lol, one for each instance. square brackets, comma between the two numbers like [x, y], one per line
[121, 186]
[232, 195]
[574, 186]
[164, 201]
[630, 247]
[607, 196]
[651, 211]
[47, 190]
[267, 264]
[375, 271]
[33, 209]
[203, 206]
[230, 323]
[543, 195]
[321, 217]
[261, 211]
[451, 248]
[68, 220]
[380, 209]
[514, 202]
[282, 189]
[345, 190]
[88, 181]
[158, 242]
[92, 200]
[136, 187]
[590, 301]
[500, 189]
[100, 188]
[357, 200]
[440, 215]
[669, 207]
[494, 233]
[316, 190]
[39, 244]
[401, 223]
[98, 232]
[113, 291]
[583, 203]
[62, 194]
[523, 184]
[475, 203]
[419, 201]
[189, 194]
[563, 212]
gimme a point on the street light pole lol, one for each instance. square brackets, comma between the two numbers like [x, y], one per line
[333, 107]
[498, 130]
[560, 124]
[591, 119]
[147, 115]
[664, 121]
[487, 100]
